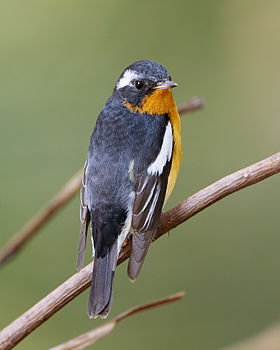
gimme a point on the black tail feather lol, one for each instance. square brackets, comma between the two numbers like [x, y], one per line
[100, 298]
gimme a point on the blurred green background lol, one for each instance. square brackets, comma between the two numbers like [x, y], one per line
[59, 61]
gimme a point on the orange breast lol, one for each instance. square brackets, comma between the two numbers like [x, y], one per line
[162, 102]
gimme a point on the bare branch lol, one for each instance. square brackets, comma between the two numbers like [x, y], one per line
[268, 339]
[192, 105]
[76, 284]
[45, 214]
[211, 194]
[91, 337]
[60, 199]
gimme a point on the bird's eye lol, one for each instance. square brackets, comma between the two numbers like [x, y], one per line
[138, 84]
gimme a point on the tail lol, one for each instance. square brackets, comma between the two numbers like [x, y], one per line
[107, 224]
[100, 298]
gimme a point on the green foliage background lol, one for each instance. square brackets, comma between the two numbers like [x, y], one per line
[59, 61]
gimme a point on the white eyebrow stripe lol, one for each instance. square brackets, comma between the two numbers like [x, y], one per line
[128, 76]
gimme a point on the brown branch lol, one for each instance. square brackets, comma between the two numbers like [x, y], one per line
[60, 199]
[45, 214]
[76, 284]
[268, 339]
[93, 336]
[192, 105]
[211, 194]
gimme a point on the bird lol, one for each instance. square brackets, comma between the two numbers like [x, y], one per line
[132, 164]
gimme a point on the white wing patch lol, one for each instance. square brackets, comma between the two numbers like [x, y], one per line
[165, 153]
[127, 78]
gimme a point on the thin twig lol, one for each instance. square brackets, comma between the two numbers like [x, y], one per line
[94, 335]
[76, 284]
[45, 214]
[139, 308]
[60, 199]
[193, 104]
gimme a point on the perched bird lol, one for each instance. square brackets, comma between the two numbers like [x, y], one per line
[132, 164]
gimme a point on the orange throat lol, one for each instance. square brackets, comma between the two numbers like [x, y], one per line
[159, 102]
[162, 102]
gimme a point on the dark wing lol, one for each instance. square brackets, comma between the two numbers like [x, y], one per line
[148, 203]
[85, 219]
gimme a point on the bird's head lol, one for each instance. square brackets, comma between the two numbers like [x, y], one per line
[144, 87]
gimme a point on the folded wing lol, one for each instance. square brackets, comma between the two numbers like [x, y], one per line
[149, 198]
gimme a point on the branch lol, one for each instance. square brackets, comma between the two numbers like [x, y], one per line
[211, 194]
[60, 199]
[76, 284]
[93, 336]
[45, 214]
[192, 105]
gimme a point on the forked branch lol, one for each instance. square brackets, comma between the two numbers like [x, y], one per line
[93, 336]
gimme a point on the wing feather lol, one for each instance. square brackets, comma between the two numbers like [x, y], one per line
[148, 203]
[85, 219]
